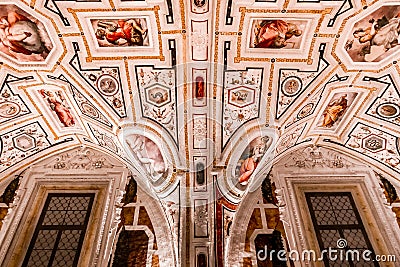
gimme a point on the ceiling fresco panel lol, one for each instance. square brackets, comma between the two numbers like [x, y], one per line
[12, 106]
[242, 91]
[312, 100]
[376, 144]
[24, 142]
[24, 37]
[293, 82]
[158, 95]
[374, 37]
[105, 80]
[386, 107]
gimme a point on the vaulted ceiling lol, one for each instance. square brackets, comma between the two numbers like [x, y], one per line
[167, 85]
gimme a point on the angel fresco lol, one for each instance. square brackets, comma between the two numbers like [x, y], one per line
[21, 36]
[274, 33]
[121, 32]
[58, 104]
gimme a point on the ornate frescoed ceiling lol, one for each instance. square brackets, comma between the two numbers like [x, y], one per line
[182, 92]
[199, 80]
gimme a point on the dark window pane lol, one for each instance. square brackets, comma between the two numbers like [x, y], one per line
[200, 173]
[59, 234]
[201, 260]
[335, 217]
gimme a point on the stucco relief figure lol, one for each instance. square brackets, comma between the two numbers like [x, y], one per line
[58, 104]
[149, 156]
[122, 32]
[20, 35]
[251, 157]
[274, 33]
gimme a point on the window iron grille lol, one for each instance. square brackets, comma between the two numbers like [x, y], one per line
[59, 234]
